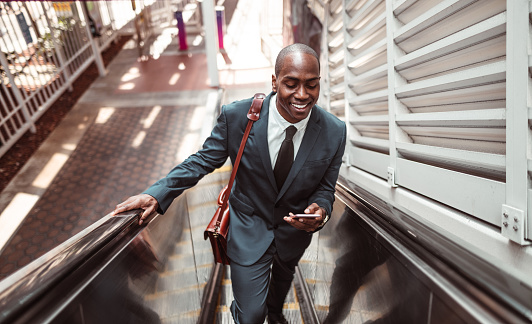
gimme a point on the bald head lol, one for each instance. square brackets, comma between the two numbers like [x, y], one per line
[294, 48]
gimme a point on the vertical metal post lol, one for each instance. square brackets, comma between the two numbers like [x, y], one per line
[181, 30]
[17, 94]
[347, 91]
[136, 22]
[58, 50]
[111, 17]
[515, 211]
[209, 25]
[391, 24]
[94, 44]
[220, 22]
[395, 107]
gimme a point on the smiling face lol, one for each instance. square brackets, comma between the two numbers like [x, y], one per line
[297, 86]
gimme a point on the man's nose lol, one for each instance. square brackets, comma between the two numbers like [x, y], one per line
[301, 92]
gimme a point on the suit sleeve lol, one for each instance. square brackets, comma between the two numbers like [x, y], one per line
[324, 193]
[211, 156]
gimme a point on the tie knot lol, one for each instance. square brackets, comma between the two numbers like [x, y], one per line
[290, 132]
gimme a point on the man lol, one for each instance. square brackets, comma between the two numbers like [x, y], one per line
[264, 234]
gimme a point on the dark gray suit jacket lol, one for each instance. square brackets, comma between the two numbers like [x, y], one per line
[257, 208]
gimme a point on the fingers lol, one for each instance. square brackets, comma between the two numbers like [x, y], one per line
[304, 224]
[143, 201]
[128, 204]
[307, 224]
[146, 214]
[313, 209]
[301, 224]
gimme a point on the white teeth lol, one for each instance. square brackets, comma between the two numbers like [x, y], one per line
[299, 106]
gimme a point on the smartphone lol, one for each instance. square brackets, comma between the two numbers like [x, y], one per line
[307, 215]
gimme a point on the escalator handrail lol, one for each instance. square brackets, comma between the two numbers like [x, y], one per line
[20, 290]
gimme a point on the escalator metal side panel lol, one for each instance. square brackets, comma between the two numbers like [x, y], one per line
[358, 270]
[506, 296]
[116, 293]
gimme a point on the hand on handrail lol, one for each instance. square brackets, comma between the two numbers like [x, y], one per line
[142, 201]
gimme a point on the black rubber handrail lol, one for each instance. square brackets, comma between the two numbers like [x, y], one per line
[23, 291]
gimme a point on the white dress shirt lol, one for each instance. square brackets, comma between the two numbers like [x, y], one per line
[277, 131]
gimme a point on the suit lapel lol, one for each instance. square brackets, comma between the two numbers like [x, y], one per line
[261, 129]
[311, 135]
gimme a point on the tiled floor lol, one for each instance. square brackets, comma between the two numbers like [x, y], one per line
[166, 73]
[114, 159]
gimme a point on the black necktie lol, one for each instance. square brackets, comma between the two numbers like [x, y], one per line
[285, 157]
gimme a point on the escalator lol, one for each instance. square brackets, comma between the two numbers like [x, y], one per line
[370, 264]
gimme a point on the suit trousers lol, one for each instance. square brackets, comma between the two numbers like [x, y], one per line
[261, 288]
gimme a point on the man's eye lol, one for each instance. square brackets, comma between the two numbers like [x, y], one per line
[312, 86]
[291, 86]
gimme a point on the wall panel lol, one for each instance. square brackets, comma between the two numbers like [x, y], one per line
[437, 97]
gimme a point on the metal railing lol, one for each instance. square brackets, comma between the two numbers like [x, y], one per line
[44, 47]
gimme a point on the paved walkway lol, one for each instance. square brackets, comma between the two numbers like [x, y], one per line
[128, 130]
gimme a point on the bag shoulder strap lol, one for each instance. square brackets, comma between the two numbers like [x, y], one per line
[253, 115]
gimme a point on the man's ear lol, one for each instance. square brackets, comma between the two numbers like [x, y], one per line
[274, 83]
